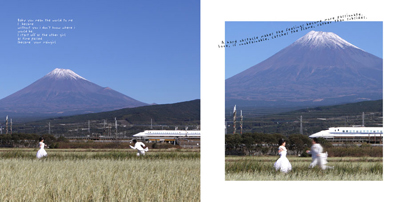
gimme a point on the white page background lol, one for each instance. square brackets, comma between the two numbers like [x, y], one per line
[213, 184]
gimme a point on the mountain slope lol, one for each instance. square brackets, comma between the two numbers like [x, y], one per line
[318, 67]
[64, 92]
[175, 113]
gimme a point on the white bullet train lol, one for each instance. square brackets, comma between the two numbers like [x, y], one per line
[167, 135]
[353, 134]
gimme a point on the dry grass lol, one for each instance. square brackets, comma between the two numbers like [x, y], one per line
[261, 169]
[114, 177]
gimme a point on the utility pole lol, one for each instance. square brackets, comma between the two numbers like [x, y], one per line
[151, 123]
[241, 122]
[116, 127]
[363, 119]
[7, 124]
[234, 120]
[104, 126]
[49, 128]
[89, 126]
[301, 125]
[11, 127]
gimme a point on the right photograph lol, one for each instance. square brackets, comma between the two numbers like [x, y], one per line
[304, 100]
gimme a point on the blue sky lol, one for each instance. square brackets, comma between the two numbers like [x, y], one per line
[365, 35]
[148, 50]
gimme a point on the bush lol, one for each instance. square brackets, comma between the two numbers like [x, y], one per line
[163, 146]
[324, 143]
[62, 139]
[365, 145]
[355, 151]
[304, 154]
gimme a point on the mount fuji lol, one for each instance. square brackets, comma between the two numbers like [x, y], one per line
[320, 68]
[63, 92]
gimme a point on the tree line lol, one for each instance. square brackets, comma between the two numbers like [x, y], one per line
[260, 144]
[253, 144]
[29, 140]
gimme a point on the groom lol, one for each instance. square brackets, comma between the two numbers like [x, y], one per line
[141, 148]
[317, 156]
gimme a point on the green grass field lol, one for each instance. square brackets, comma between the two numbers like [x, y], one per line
[345, 168]
[99, 175]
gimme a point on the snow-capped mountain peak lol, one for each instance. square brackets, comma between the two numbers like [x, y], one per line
[321, 39]
[63, 92]
[64, 74]
[320, 67]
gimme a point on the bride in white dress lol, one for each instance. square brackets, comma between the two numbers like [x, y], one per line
[282, 163]
[41, 151]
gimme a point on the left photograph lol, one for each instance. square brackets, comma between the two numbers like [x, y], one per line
[100, 100]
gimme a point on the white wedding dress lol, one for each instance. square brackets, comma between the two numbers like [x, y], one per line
[41, 151]
[283, 163]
